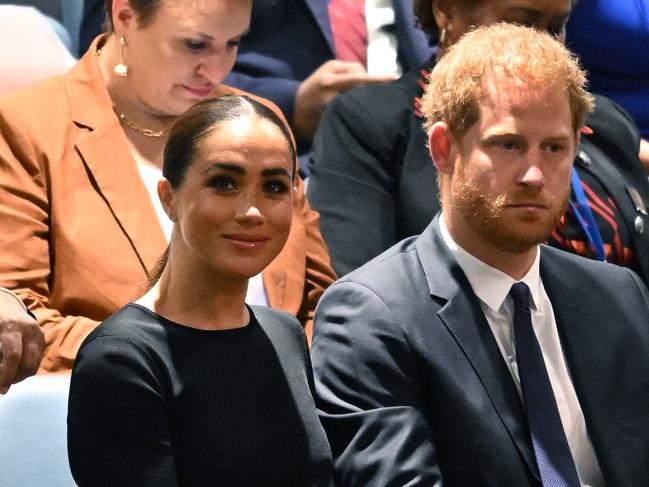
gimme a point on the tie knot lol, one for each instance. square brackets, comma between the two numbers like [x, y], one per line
[520, 293]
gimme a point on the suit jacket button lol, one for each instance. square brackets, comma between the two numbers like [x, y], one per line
[638, 224]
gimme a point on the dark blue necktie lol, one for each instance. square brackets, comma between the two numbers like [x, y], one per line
[553, 457]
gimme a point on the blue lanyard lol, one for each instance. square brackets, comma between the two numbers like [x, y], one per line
[585, 216]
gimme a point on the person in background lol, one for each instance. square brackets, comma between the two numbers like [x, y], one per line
[610, 39]
[190, 386]
[300, 54]
[21, 341]
[371, 172]
[79, 179]
[299, 59]
[472, 354]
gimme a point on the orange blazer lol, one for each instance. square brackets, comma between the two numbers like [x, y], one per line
[78, 232]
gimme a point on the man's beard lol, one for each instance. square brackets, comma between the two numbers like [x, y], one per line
[486, 216]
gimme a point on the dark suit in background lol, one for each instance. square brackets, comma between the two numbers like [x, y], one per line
[94, 14]
[412, 388]
[290, 39]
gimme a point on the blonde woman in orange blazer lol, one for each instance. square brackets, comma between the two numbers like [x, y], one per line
[79, 233]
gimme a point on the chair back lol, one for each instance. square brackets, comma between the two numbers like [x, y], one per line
[33, 433]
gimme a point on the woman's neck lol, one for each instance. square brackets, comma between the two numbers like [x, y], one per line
[125, 101]
[195, 296]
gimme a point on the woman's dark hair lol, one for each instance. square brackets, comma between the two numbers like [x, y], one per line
[197, 123]
[145, 10]
[426, 20]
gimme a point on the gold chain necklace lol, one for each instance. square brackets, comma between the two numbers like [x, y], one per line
[156, 134]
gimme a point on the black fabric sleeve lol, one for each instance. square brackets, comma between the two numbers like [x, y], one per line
[118, 426]
[368, 397]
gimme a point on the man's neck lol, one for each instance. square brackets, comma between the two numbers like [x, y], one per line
[514, 264]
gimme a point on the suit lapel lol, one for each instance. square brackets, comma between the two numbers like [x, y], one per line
[582, 337]
[318, 9]
[466, 322]
[107, 158]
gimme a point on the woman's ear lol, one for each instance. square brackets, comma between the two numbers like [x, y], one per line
[442, 12]
[441, 146]
[123, 17]
[167, 197]
[453, 19]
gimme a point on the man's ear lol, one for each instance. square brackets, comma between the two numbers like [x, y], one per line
[123, 17]
[441, 144]
[167, 197]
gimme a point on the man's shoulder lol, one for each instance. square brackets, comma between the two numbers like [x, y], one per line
[562, 258]
[394, 278]
[598, 276]
[384, 101]
[390, 259]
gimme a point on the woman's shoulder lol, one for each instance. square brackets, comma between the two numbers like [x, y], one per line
[37, 120]
[134, 326]
[35, 102]
[45, 112]
[127, 349]
[281, 327]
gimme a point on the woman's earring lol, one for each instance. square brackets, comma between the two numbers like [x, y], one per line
[120, 68]
[442, 37]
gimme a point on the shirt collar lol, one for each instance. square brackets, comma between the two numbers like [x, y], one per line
[490, 284]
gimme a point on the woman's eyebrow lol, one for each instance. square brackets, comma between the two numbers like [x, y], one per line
[280, 171]
[226, 167]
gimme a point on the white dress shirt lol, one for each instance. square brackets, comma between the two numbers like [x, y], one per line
[256, 294]
[492, 287]
[382, 55]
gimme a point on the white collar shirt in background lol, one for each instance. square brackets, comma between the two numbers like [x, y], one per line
[382, 58]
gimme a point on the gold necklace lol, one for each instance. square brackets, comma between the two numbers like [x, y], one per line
[156, 134]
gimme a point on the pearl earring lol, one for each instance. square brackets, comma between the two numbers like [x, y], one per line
[120, 68]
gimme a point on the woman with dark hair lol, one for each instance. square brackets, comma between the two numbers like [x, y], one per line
[81, 155]
[191, 386]
[373, 181]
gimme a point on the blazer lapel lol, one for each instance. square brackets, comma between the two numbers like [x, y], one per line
[581, 333]
[109, 163]
[466, 322]
[318, 9]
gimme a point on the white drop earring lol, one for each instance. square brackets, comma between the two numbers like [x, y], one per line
[120, 68]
